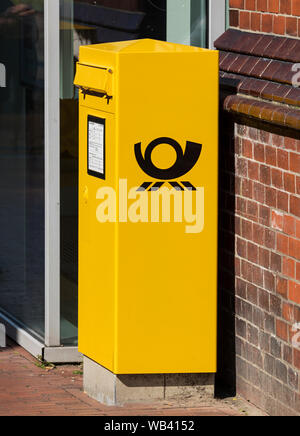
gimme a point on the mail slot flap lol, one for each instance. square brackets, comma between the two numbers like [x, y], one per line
[94, 78]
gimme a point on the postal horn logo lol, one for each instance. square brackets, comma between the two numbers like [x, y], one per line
[185, 162]
[183, 165]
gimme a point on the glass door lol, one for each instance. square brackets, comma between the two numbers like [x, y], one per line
[22, 211]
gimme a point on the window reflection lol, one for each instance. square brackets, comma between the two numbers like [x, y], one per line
[22, 163]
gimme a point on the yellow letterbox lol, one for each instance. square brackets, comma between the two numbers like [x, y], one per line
[148, 207]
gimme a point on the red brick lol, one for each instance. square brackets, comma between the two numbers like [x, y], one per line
[277, 220]
[271, 197]
[295, 205]
[29, 390]
[262, 5]
[283, 201]
[276, 263]
[277, 140]
[250, 5]
[258, 233]
[247, 230]
[298, 185]
[282, 330]
[288, 312]
[255, 21]
[269, 281]
[283, 244]
[271, 156]
[245, 20]
[285, 7]
[282, 287]
[297, 361]
[288, 267]
[294, 248]
[279, 26]
[241, 205]
[265, 175]
[237, 267]
[294, 292]
[289, 225]
[252, 293]
[241, 247]
[296, 7]
[288, 354]
[259, 152]
[283, 159]
[295, 162]
[297, 313]
[298, 271]
[253, 170]
[290, 143]
[264, 258]
[246, 271]
[234, 18]
[252, 210]
[264, 300]
[259, 192]
[238, 4]
[252, 252]
[264, 136]
[270, 238]
[264, 215]
[247, 148]
[292, 26]
[241, 167]
[247, 188]
[267, 23]
[258, 276]
[274, 6]
[289, 183]
[277, 178]
[298, 229]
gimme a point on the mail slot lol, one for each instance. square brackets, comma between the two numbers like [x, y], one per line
[97, 79]
[148, 207]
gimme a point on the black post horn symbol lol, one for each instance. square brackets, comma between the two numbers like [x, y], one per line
[184, 162]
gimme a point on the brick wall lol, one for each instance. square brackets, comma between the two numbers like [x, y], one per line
[260, 266]
[280, 17]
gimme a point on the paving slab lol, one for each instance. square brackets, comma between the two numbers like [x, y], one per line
[27, 389]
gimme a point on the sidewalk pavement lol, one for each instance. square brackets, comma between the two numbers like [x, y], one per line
[27, 389]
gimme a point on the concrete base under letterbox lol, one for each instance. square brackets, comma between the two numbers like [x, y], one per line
[110, 389]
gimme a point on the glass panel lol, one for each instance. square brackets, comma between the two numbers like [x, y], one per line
[22, 163]
[89, 22]
[199, 22]
[187, 22]
[227, 14]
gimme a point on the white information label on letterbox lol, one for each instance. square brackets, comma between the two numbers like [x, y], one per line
[96, 147]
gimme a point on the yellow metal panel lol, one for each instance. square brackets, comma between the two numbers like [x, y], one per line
[97, 269]
[148, 290]
[99, 80]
